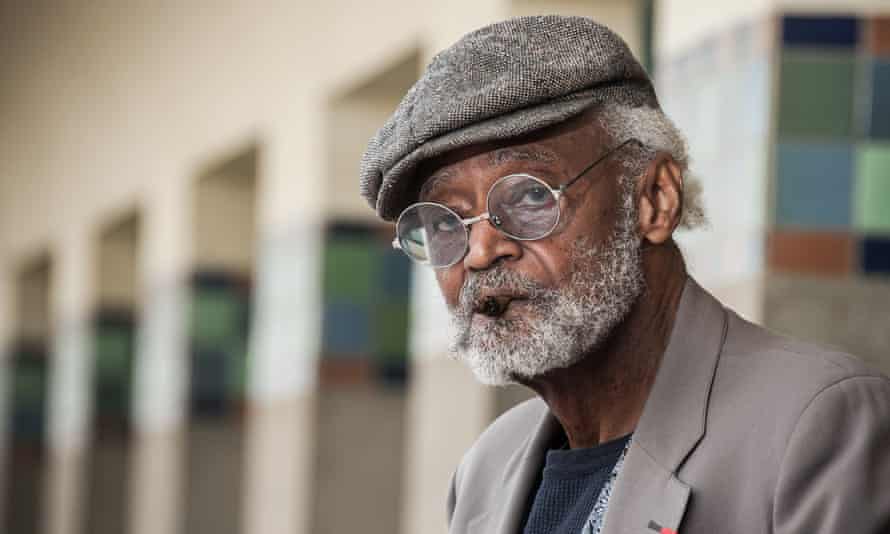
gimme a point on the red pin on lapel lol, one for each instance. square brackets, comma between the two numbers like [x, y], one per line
[660, 529]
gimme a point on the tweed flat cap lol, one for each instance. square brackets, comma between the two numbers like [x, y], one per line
[498, 82]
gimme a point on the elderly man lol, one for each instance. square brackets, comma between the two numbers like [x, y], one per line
[532, 168]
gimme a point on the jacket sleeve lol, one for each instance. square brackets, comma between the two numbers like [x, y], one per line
[835, 472]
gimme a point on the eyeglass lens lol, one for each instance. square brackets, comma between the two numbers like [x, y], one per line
[520, 206]
[431, 233]
[524, 207]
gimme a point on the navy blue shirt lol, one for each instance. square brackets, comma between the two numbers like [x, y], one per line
[569, 487]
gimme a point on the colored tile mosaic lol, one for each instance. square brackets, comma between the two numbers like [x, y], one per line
[815, 253]
[367, 288]
[879, 41]
[344, 372]
[879, 119]
[876, 255]
[820, 31]
[872, 206]
[28, 401]
[218, 337]
[114, 348]
[816, 95]
[347, 329]
[349, 267]
[814, 185]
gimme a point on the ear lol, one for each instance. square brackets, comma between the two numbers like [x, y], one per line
[660, 199]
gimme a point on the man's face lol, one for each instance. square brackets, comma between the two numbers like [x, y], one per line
[565, 293]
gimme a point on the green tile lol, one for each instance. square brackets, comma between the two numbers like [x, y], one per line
[392, 325]
[30, 386]
[113, 354]
[816, 95]
[873, 189]
[236, 369]
[215, 317]
[350, 266]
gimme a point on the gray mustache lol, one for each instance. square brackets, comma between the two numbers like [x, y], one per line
[495, 279]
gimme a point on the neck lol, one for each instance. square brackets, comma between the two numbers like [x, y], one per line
[601, 397]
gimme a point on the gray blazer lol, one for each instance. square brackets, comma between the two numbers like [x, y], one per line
[744, 432]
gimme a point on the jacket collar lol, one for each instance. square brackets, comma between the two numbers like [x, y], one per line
[673, 419]
[672, 424]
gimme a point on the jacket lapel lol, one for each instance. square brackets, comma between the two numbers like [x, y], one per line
[648, 496]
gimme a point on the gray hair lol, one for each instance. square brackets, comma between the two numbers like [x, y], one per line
[659, 134]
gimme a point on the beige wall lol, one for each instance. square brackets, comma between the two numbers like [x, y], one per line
[32, 299]
[118, 264]
[353, 118]
[225, 215]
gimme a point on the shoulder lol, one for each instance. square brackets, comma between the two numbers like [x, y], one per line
[504, 438]
[834, 473]
[795, 433]
[486, 466]
[514, 423]
[771, 379]
[765, 384]
[793, 371]
[781, 393]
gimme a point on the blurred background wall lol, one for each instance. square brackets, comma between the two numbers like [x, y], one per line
[202, 326]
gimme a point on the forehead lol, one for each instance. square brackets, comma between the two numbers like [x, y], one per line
[447, 172]
[555, 148]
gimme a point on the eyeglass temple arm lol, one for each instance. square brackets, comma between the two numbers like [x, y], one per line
[608, 153]
[395, 244]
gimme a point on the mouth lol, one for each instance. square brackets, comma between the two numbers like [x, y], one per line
[495, 306]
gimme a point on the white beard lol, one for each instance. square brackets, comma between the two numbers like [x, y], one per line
[562, 325]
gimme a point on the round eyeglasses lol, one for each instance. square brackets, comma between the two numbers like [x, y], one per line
[519, 206]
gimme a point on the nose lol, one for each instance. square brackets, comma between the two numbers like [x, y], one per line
[488, 246]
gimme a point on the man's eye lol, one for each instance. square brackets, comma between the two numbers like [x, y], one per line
[536, 195]
[529, 197]
[446, 224]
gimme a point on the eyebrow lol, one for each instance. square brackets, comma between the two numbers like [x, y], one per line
[495, 158]
[510, 154]
[434, 182]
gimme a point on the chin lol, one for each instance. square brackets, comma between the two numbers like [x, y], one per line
[502, 366]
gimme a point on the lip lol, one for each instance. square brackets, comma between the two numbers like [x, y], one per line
[512, 301]
[485, 295]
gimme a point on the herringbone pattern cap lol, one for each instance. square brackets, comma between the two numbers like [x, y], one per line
[498, 82]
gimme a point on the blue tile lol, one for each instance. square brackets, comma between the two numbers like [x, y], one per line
[396, 274]
[814, 185]
[346, 328]
[208, 382]
[876, 255]
[879, 126]
[28, 395]
[821, 31]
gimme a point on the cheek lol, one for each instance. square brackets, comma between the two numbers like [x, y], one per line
[547, 262]
[591, 222]
[553, 257]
